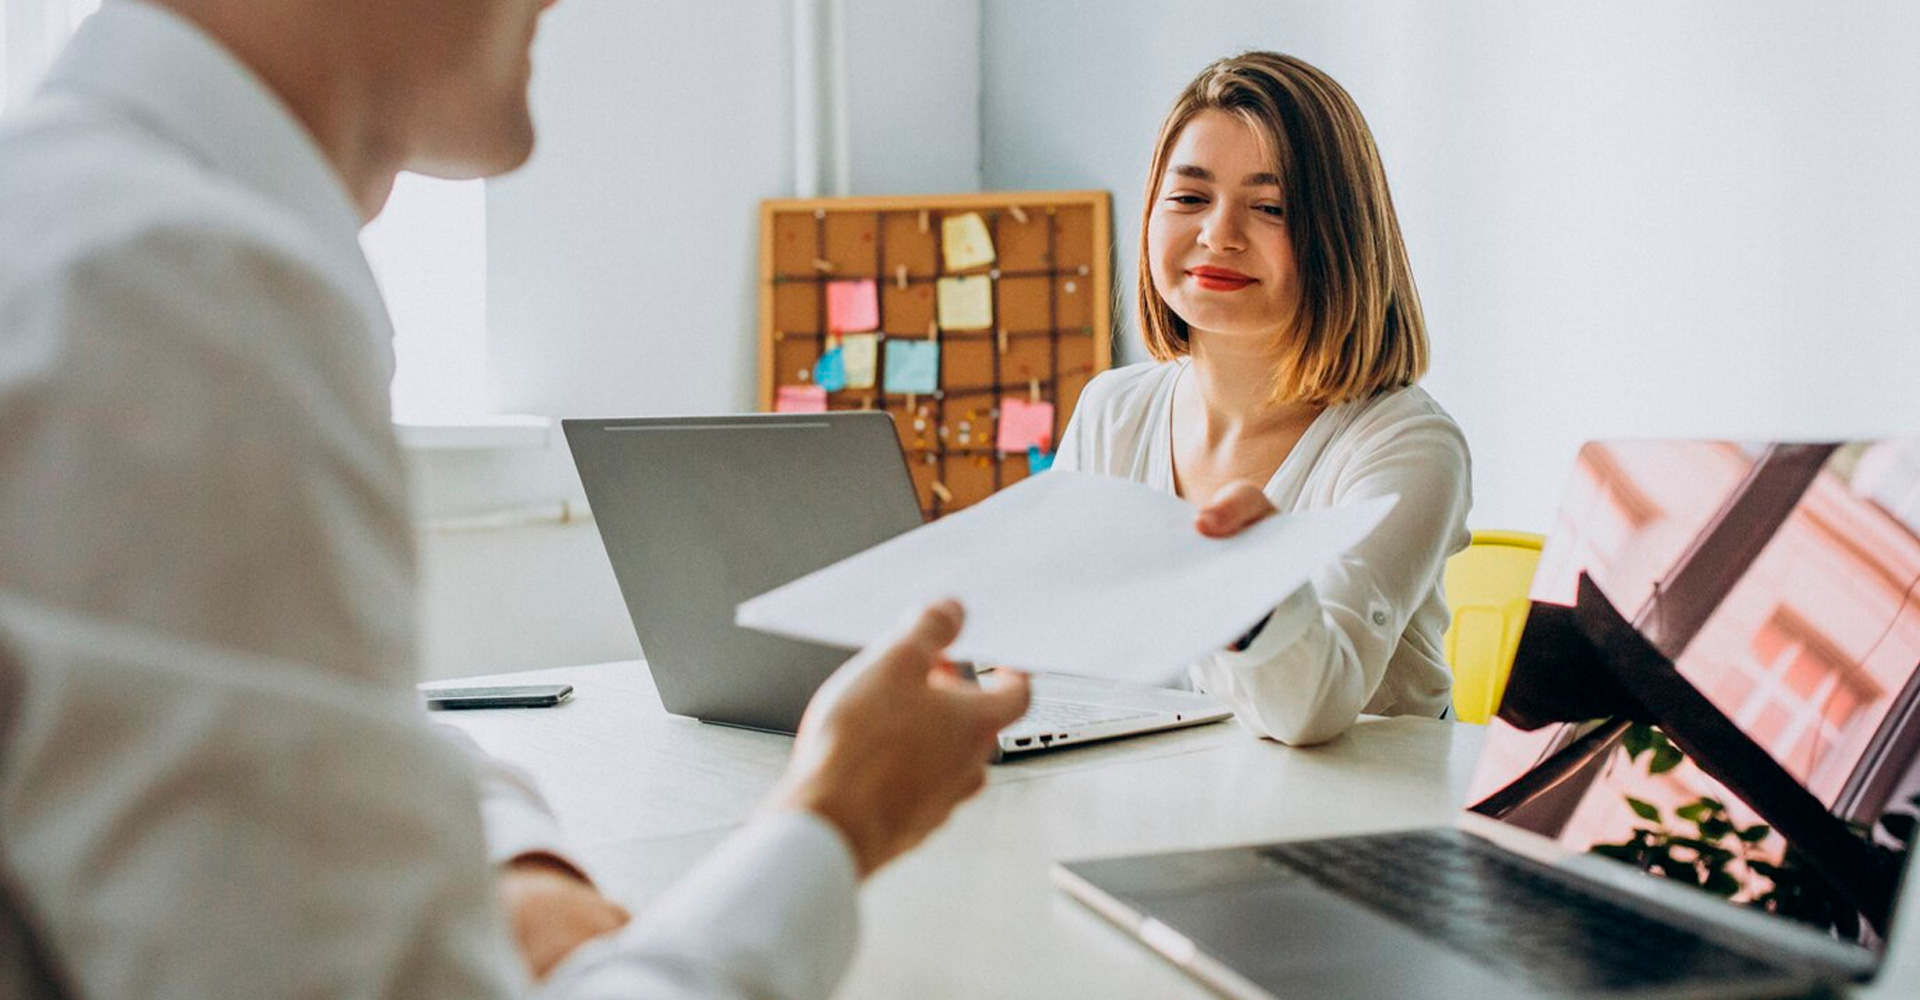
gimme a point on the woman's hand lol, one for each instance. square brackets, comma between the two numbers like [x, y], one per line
[1238, 506]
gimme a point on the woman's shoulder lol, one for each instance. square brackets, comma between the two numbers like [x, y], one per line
[1122, 396]
[1129, 384]
[1112, 427]
[1406, 415]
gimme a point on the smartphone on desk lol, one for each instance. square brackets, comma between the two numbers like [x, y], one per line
[525, 696]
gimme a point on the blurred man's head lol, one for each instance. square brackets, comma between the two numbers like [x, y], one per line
[434, 86]
[472, 63]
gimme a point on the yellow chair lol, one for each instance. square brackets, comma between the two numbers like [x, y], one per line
[1486, 587]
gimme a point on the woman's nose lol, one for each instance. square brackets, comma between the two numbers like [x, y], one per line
[1221, 231]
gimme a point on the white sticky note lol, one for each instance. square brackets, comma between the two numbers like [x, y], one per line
[965, 303]
[859, 353]
[965, 242]
[1071, 572]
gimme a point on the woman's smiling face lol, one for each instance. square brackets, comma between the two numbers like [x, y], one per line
[1217, 238]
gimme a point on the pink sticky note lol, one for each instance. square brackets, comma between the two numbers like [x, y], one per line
[1025, 425]
[800, 399]
[852, 305]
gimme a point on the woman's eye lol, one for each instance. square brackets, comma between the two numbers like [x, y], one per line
[1277, 211]
[1186, 199]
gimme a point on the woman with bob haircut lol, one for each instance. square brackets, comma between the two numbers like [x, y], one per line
[1276, 300]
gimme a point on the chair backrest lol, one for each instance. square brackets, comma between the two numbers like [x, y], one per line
[1486, 585]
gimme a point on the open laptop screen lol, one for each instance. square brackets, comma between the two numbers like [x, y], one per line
[1783, 583]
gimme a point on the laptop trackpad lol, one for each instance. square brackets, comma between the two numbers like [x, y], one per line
[1296, 939]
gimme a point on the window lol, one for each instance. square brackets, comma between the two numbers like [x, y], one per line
[1798, 693]
[428, 252]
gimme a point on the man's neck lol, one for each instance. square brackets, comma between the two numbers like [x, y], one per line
[324, 81]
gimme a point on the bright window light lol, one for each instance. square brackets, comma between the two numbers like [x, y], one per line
[429, 253]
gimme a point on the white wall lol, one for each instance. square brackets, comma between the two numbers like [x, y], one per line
[1634, 218]
[621, 270]
[913, 96]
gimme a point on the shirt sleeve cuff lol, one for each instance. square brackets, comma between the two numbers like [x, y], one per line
[1288, 622]
[772, 913]
[517, 828]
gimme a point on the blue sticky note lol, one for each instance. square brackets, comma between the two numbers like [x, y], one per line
[1038, 461]
[913, 366]
[830, 372]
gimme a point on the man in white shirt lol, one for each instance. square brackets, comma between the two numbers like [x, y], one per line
[214, 777]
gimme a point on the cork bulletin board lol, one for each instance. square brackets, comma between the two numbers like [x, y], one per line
[975, 320]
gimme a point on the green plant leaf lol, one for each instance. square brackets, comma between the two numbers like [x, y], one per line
[1714, 829]
[1666, 757]
[1644, 810]
[1755, 833]
[1693, 812]
[1619, 852]
[1722, 884]
[1638, 739]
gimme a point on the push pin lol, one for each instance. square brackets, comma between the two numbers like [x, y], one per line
[1019, 214]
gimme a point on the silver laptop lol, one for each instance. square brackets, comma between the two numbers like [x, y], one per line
[1701, 783]
[699, 514]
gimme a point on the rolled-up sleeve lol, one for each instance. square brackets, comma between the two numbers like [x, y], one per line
[771, 913]
[1322, 655]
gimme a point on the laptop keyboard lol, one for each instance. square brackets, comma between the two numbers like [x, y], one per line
[1047, 715]
[1506, 913]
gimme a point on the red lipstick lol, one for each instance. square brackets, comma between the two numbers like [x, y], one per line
[1219, 279]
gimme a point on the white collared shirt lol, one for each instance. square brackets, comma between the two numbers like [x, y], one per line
[1364, 635]
[215, 780]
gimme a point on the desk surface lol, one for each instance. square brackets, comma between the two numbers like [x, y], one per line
[643, 794]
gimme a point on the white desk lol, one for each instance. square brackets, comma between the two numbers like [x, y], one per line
[643, 794]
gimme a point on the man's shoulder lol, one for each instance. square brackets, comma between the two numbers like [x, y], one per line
[78, 187]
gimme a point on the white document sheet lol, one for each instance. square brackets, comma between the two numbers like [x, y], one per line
[1070, 572]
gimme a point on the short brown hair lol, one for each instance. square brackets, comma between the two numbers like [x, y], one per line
[1359, 323]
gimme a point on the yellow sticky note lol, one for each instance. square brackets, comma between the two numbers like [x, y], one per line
[964, 241]
[966, 303]
[859, 352]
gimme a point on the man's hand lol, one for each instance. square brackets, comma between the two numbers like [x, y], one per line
[1237, 507]
[553, 910]
[896, 738]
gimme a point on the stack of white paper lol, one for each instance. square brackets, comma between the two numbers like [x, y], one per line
[1070, 572]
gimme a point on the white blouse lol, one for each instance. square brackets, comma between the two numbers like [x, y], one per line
[1364, 634]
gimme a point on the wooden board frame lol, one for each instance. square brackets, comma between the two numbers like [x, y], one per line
[1052, 305]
